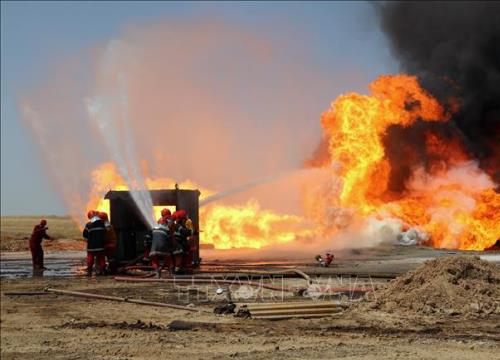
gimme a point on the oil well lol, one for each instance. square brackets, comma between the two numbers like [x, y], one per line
[131, 228]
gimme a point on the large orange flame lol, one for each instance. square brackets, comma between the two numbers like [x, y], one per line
[454, 202]
[223, 226]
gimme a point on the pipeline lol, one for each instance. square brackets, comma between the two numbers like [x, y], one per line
[267, 272]
[280, 272]
[252, 272]
[296, 290]
[24, 293]
[123, 299]
[185, 281]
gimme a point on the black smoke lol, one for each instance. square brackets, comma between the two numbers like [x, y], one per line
[454, 49]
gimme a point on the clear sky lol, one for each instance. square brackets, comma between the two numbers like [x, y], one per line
[339, 35]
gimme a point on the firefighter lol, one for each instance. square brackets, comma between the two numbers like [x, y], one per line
[95, 235]
[39, 233]
[165, 214]
[161, 246]
[181, 234]
[110, 242]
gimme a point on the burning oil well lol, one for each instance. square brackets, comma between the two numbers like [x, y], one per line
[415, 158]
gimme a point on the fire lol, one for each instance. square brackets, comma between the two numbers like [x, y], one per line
[446, 196]
[248, 226]
[106, 177]
[452, 201]
[223, 226]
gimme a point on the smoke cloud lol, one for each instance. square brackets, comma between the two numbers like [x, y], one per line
[453, 48]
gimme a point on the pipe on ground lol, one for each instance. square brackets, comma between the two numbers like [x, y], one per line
[123, 299]
[194, 281]
[185, 281]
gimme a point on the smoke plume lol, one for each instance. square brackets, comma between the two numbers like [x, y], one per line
[453, 47]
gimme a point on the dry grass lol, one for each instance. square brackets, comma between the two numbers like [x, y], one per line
[16, 231]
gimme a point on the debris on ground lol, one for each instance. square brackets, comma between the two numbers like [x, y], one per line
[182, 325]
[123, 325]
[454, 285]
[225, 309]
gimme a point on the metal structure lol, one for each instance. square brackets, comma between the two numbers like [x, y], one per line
[129, 223]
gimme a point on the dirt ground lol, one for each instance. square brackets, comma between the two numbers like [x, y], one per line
[62, 327]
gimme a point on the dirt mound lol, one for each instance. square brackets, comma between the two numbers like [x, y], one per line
[451, 285]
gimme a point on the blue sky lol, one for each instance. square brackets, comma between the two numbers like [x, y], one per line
[337, 36]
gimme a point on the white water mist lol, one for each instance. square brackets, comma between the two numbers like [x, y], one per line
[109, 110]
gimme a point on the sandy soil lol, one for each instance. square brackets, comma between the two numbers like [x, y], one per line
[62, 327]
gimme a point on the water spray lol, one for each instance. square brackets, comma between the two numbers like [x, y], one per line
[247, 186]
[110, 113]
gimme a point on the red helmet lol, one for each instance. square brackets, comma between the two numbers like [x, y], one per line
[103, 216]
[165, 212]
[179, 214]
[91, 214]
[43, 222]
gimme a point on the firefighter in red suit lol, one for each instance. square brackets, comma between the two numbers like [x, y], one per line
[95, 235]
[39, 233]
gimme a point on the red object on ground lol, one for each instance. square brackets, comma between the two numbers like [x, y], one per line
[328, 259]
[101, 261]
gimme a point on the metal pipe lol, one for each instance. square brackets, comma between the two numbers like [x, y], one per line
[294, 312]
[205, 281]
[292, 316]
[259, 272]
[279, 306]
[281, 271]
[28, 293]
[123, 299]
[194, 280]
